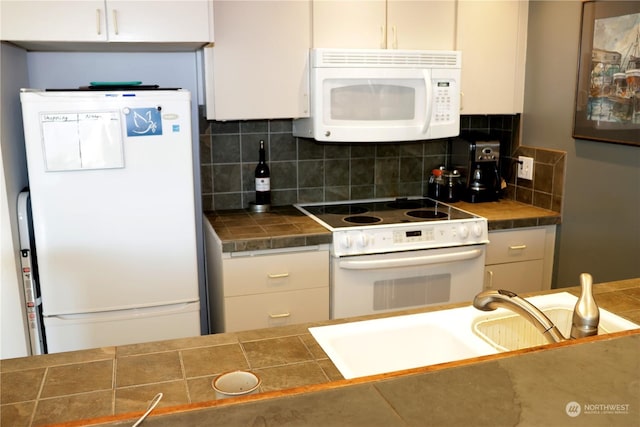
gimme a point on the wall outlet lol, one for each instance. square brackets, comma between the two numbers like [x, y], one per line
[525, 167]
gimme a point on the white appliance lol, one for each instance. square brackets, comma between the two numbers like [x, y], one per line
[392, 254]
[112, 195]
[373, 95]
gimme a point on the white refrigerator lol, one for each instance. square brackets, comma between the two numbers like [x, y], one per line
[112, 197]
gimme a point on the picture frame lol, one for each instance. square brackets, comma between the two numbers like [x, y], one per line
[607, 102]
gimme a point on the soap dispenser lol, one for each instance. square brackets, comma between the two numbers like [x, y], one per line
[586, 314]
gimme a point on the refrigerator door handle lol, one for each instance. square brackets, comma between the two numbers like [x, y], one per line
[126, 313]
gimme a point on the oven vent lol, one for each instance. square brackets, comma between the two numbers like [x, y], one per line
[379, 58]
[411, 291]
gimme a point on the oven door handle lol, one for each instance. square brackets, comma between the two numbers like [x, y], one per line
[410, 261]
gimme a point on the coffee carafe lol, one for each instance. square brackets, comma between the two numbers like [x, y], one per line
[478, 157]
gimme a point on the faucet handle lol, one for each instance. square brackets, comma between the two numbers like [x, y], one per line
[586, 314]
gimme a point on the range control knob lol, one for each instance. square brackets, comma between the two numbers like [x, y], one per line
[477, 230]
[346, 241]
[363, 240]
[463, 230]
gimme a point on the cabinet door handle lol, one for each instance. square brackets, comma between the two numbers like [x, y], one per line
[279, 316]
[517, 247]
[383, 37]
[98, 26]
[115, 21]
[394, 37]
[277, 276]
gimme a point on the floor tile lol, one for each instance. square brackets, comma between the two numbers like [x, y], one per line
[148, 368]
[213, 360]
[138, 398]
[20, 385]
[277, 351]
[78, 378]
[75, 407]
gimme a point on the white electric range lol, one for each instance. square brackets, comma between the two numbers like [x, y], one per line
[392, 254]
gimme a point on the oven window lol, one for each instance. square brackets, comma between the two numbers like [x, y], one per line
[411, 291]
[373, 102]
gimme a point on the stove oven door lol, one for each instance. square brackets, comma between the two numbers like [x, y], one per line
[369, 284]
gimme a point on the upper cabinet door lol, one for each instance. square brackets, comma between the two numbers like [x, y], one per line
[492, 36]
[258, 68]
[159, 21]
[425, 24]
[64, 22]
[380, 24]
[31, 20]
[356, 24]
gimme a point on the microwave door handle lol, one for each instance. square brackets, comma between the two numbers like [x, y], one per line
[428, 100]
[410, 261]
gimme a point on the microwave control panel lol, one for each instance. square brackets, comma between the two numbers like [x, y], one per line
[445, 109]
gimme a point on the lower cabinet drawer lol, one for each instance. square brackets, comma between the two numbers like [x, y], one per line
[518, 277]
[275, 273]
[516, 245]
[276, 309]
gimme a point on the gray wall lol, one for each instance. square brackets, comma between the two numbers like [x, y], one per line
[600, 231]
[13, 178]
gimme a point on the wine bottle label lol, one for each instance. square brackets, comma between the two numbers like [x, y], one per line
[263, 184]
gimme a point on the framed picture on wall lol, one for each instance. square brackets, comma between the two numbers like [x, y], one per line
[608, 89]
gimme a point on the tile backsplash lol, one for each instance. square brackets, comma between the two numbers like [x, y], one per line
[304, 170]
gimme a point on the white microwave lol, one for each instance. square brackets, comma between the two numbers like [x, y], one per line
[376, 95]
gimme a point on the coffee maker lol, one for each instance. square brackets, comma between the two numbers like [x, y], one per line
[477, 157]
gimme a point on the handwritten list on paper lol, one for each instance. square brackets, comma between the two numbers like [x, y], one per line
[82, 141]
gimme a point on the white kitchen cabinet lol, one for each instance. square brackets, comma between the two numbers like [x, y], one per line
[520, 260]
[380, 24]
[260, 289]
[492, 36]
[258, 68]
[153, 21]
[275, 289]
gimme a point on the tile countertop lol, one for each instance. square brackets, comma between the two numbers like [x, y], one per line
[505, 214]
[285, 226]
[281, 227]
[112, 386]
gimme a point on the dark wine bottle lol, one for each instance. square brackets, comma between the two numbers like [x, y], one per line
[262, 175]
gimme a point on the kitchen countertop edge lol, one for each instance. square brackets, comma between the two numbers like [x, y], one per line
[286, 227]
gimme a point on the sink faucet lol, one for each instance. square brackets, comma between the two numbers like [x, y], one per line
[586, 314]
[490, 300]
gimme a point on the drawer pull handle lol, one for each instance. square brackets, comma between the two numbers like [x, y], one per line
[489, 279]
[279, 316]
[517, 247]
[277, 276]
